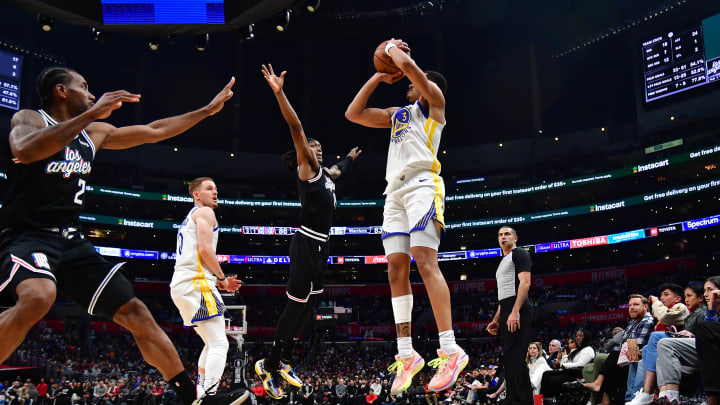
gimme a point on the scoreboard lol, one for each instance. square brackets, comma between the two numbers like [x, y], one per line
[10, 69]
[158, 12]
[676, 61]
[673, 63]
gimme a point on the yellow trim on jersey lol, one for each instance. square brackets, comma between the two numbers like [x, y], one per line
[204, 287]
[430, 127]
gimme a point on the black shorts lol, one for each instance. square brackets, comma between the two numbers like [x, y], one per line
[80, 273]
[308, 262]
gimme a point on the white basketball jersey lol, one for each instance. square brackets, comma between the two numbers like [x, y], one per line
[414, 140]
[188, 265]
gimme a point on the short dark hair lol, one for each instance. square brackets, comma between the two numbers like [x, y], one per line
[46, 82]
[289, 158]
[697, 289]
[438, 79]
[674, 288]
[195, 184]
[512, 230]
[639, 296]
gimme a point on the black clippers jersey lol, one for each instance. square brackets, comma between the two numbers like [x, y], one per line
[48, 193]
[317, 200]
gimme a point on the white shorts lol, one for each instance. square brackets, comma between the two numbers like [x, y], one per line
[417, 203]
[196, 303]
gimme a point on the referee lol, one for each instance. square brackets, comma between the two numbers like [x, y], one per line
[513, 316]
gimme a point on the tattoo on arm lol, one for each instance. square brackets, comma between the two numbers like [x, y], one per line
[403, 329]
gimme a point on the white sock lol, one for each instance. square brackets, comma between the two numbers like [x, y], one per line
[402, 311]
[672, 395]
[405, 348]
[447, 341]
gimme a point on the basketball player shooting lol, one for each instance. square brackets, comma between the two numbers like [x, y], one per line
[414, 205]
[309, 246]
[195, 282]
[50, 154]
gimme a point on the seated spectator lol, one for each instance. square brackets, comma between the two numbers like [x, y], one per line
[670, 313]
[554, 348]
[259, 392]
[370, 397]
[612, 378]
[676, 355]
[537, 365]
[571, 365]
[385, 397]
[707, 336]
[306, 391]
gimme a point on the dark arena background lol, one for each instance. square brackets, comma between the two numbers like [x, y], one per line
[590, 127]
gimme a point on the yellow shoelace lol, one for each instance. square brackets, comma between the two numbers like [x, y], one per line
[398, 365]
[440, 363]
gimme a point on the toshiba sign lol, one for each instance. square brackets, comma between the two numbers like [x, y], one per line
[587, 242]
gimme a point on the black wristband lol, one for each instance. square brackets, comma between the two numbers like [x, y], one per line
[221, 279]
[344, 164]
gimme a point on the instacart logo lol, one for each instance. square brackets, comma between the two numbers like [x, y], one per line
[164, 197]
[635, 169]
[120, 221]
[605, 207]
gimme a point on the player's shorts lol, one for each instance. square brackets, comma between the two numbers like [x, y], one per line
[417, 203]
[196, 296]
[80, 273]
[308, 262]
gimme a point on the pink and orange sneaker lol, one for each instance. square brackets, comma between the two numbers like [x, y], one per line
[449, 367]
[405, 370]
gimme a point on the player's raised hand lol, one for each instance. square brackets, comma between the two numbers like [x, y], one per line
[354, 153]
[110, 102]
[276, 82]
[224, 95]
[390, 78]
[402, 45]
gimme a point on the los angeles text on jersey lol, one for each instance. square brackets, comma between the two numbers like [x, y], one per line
[73, 163]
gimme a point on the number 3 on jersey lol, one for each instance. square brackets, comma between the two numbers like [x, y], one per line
[81, 184]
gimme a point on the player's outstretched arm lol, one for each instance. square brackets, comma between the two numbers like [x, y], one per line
[31, 140]
[106, 136]
[307, 161]
[407, 65]
[205, 220]
[358, 111]
[340, 167]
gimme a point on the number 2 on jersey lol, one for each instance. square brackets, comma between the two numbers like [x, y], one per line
[81, 184]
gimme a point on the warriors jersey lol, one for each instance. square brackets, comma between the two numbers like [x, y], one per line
[317, 201]
[414, 141]
[192, 286]
[48, 193]
[187, 255]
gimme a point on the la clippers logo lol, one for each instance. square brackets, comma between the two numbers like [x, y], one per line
[73, 163]
[401, 122]
[41, 260]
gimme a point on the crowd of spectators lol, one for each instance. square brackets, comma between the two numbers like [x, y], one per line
[79, 364]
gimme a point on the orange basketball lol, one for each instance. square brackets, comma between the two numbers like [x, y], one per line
[382, 61]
